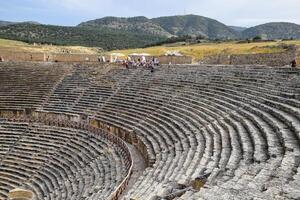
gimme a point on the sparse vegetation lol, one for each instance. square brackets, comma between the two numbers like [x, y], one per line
[17, 46]
[257, 38]
[198, 51]
[172, 40]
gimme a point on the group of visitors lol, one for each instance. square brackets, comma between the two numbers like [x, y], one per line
[102, 59]
[141, 62]
[66, 51]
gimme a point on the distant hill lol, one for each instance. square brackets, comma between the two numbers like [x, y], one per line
[274, 30]
[238, 28]
[133, 24]
[195, 25]
[82, 36]
[32, 22]
[167, 26]
[5, 23]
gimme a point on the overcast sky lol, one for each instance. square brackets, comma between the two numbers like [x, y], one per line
[72, 12]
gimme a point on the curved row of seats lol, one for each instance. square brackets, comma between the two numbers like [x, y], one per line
[238, 125]
[58, 163]
[26, 85]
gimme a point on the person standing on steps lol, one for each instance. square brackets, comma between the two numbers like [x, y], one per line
[294, 64]
[151, 66]
[125, 64]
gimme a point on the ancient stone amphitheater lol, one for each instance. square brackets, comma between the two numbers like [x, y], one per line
[69, 132]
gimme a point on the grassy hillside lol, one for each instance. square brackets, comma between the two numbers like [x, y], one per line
[17, 46]
[77, 36]
[198, 51]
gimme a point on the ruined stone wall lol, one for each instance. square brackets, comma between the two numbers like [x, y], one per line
[273, 59]
[21, 56]
[270, 59]
[175, 59]
[73, 58]
[126, 135]
[223, 59]
[39, 57]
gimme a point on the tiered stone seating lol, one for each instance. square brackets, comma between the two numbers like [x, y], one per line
[58, 163]
[238, 125]
[26, 85]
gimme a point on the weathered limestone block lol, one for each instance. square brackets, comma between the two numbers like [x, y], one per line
[20, 194]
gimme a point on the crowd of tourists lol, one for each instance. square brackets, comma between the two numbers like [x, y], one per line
[141, 62]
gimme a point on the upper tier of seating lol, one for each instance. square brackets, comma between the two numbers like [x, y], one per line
[26, 85]
[238, 125]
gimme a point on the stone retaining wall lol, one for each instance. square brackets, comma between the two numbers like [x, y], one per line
[21, 56]
[273, 59]
[177, 60]
[270, 59]
[48, 57]
[126, 135]
[220, 59]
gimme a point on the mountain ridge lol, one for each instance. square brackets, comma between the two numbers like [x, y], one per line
[6, 23]
[139, 23]
[195, 25]
[238, 28]
[135, 32]
[274, 30]
[167, 26]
